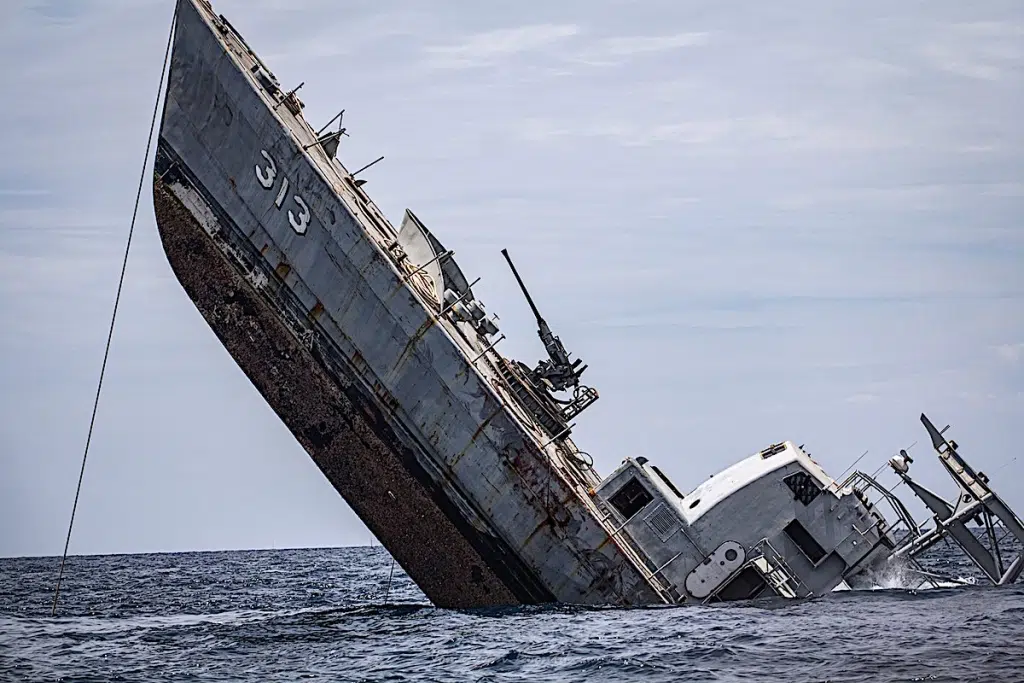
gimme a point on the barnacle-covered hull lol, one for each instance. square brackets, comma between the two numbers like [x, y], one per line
[405, 410]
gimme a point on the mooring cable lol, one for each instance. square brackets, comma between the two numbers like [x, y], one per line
[387, 594]
[113, 317]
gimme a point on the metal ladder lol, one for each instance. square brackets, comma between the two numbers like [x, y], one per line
[769, 563]
[776, 572]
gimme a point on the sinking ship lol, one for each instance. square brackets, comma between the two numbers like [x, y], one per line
[369, 343]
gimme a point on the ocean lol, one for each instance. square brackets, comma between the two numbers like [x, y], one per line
[328, 615]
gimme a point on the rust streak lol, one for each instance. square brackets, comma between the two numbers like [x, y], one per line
[483, 425]
[404, 283]
[476, 435]
[411, 344]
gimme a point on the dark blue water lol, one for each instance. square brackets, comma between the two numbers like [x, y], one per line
[318, 615]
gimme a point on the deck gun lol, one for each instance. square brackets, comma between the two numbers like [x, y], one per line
[558, 371]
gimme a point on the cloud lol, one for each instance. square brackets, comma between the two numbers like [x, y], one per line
[924, 197]
[23, 192]
[620, 49]
[484, 49]
[362, 34]
[632, 45]
[1014, 190]
[1010, 353]
[628, 134]
[992, 29]
[725, 136]
[985, 51]
[868, 68]
[487, 48]
[949, 58]
[61, 11]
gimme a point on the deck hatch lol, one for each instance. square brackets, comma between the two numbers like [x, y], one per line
[803, 540]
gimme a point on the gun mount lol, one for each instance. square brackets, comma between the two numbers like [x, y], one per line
[558, 372]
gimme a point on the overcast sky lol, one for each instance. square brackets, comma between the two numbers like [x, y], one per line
[755, 221]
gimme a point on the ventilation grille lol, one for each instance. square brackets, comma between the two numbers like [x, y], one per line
[804, 488]
[664, 522]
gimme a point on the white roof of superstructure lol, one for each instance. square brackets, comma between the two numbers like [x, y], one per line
[745, 472]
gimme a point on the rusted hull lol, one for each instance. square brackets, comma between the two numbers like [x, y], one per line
[295, 270]
[341, 430]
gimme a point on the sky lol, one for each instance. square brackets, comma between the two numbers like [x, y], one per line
[756, 222]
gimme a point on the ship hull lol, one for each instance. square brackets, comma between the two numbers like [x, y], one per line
[339, 427]
[285, 268]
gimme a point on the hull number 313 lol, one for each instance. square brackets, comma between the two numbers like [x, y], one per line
[267, 175]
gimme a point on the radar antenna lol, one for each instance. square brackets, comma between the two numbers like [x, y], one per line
[558, 370]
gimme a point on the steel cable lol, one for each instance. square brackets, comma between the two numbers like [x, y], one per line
[113, 317]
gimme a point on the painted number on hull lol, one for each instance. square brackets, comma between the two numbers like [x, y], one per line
[300, 224]
[266, 176]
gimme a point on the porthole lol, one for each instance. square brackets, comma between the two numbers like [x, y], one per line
[695, 503]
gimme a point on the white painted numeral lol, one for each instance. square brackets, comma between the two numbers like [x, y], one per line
[281, 195]
[267, 177]
[302, 223]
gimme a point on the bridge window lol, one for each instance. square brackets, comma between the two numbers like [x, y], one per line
[631, 498]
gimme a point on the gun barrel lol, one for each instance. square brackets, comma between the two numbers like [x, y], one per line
[529, 300]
